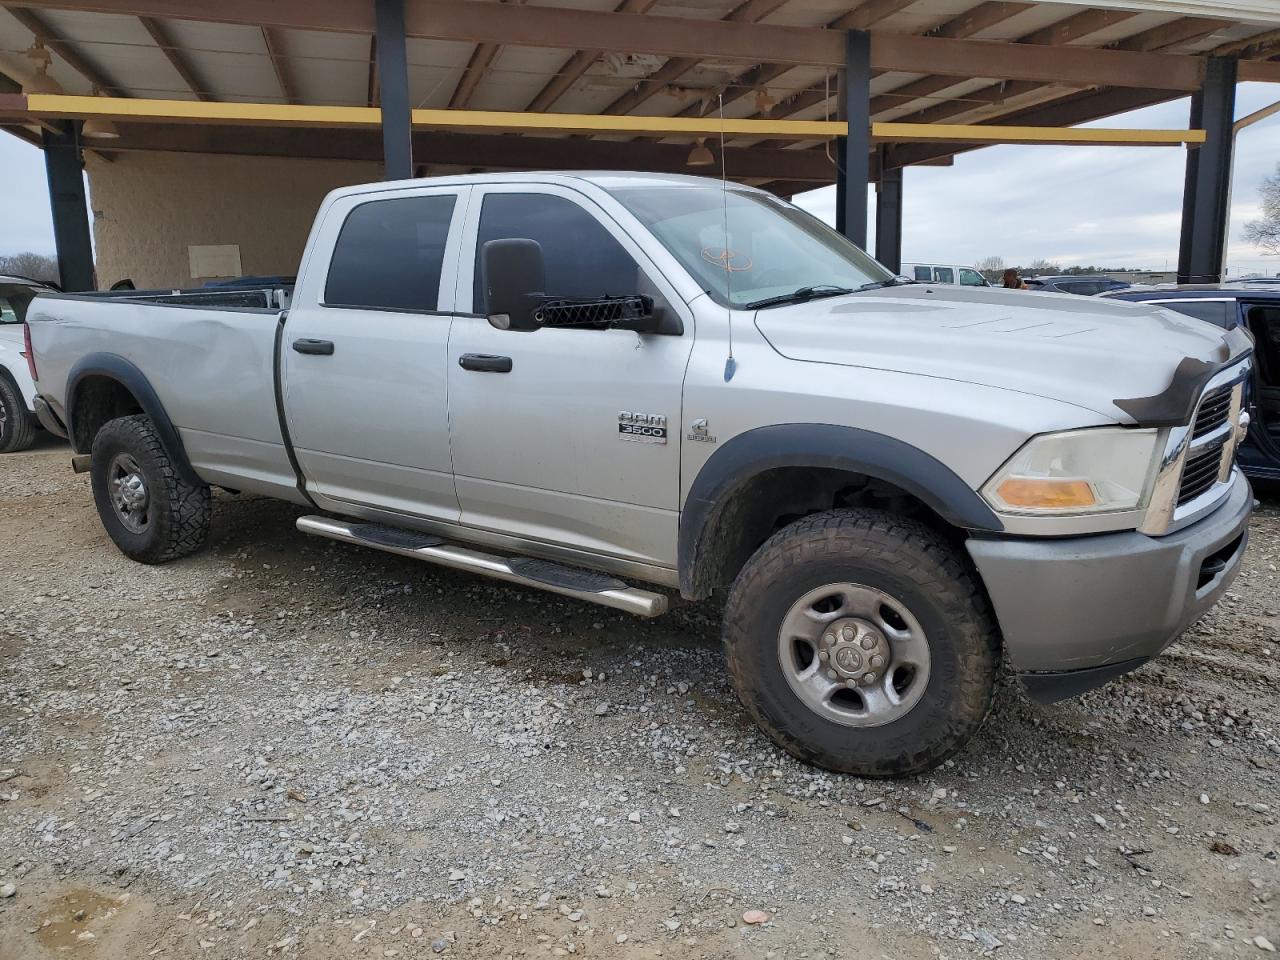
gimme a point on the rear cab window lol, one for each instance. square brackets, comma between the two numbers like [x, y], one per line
[389, 254]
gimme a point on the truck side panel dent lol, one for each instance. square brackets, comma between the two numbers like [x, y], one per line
[817, 447]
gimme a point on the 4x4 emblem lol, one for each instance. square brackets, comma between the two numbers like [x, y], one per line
[698, 431]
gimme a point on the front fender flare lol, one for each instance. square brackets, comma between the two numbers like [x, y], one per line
[821, 446]
[117, 368]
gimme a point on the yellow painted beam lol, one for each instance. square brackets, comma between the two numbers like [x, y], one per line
[990, 133]
[282, 114]
[48, 106]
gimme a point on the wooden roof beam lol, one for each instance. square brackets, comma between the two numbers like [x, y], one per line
[752, 11]
[576, 67]
[177, 59]
[284, 78]
[539, 26]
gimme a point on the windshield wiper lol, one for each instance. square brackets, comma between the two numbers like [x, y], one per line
[891, 282]
[800, 296]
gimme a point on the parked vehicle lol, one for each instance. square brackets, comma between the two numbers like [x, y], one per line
[575, 382]
[18, 423]
[1256, 308]
[944, 273]
[1081, 286]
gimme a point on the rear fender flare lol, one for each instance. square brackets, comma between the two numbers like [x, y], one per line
[117, 368]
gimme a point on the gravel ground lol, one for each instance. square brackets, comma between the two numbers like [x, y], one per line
[290, 746]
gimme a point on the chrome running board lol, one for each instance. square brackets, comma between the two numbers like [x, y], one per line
[544, 575]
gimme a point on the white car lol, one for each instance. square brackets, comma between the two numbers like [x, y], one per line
[944, 273]
[17, 393]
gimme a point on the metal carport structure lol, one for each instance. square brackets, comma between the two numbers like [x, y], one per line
[794, 87]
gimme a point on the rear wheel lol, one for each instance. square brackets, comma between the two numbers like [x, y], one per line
[17, 426]
[148, 509]
[860, 643]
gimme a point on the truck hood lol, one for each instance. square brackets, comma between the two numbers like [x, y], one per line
[1078, 350]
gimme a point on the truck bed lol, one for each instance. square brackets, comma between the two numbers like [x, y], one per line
[209, 355]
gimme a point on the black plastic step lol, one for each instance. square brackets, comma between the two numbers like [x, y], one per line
[386, 536]
[544, 571]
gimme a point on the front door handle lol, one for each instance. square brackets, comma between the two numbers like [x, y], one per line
[319, 348]
[485, 362]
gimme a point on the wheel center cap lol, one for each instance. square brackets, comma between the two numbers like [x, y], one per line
[854, 651]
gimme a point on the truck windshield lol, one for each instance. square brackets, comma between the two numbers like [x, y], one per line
[773, 251]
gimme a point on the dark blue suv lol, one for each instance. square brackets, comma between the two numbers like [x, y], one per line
[1256, 307]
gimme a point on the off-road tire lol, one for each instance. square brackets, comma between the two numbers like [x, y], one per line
[179, 520]
[914, 565]
[19, 430]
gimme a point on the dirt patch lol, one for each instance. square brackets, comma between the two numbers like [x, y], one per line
[291, 747]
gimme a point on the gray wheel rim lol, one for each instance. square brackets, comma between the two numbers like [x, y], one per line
[127, 489]
[854, 655]
[4, 415]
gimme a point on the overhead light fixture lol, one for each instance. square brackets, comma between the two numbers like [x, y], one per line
[99, 128]
[40, 81]
[701, 155]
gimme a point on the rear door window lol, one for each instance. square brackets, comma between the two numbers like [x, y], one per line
[390, 255]
[944, 275]
[924, 274]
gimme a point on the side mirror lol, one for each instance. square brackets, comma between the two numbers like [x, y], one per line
[514, 282]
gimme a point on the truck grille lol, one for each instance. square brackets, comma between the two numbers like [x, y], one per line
[1210, 444]
[1200, 473]
[1213, 412]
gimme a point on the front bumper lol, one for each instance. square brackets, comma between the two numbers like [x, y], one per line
[1077, 611]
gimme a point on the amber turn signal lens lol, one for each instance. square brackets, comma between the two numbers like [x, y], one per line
[1044, 493]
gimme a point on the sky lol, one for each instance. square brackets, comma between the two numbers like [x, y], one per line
[1102, 206]
[1099, 206]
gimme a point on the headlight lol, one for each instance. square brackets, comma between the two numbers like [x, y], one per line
[1103, 470]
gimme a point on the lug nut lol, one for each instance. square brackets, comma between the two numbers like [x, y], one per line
[877, 661]
[831, 674]
[848, 632]
[868, 643]
[869, 679]
[824, 656]
[828, 639]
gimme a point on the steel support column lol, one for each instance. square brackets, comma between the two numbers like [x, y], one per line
[889, 218]
[1206, 193]
[853, 150]
[393, 88]
[64, 169]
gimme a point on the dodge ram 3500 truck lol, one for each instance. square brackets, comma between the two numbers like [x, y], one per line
[588, 382]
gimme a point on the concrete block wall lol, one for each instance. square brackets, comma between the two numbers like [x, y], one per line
[148, 208]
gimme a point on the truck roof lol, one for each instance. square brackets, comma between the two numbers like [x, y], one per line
[605, 179]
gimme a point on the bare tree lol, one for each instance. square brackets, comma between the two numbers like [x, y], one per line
[991, 267]
[34, 266]
[1043, 268]
[1266, 232]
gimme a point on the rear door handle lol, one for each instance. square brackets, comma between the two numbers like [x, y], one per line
[485, 362]
[319, 348]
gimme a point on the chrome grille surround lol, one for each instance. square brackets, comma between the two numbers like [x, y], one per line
[1198, 464]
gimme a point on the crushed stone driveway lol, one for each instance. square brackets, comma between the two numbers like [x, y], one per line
[287, 746]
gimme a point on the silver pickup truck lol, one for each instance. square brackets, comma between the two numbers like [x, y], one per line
[617, 386]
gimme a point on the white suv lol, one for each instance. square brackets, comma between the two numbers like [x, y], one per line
[17, 393]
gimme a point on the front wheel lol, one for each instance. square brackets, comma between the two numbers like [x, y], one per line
[859, 642]
[148, 509]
